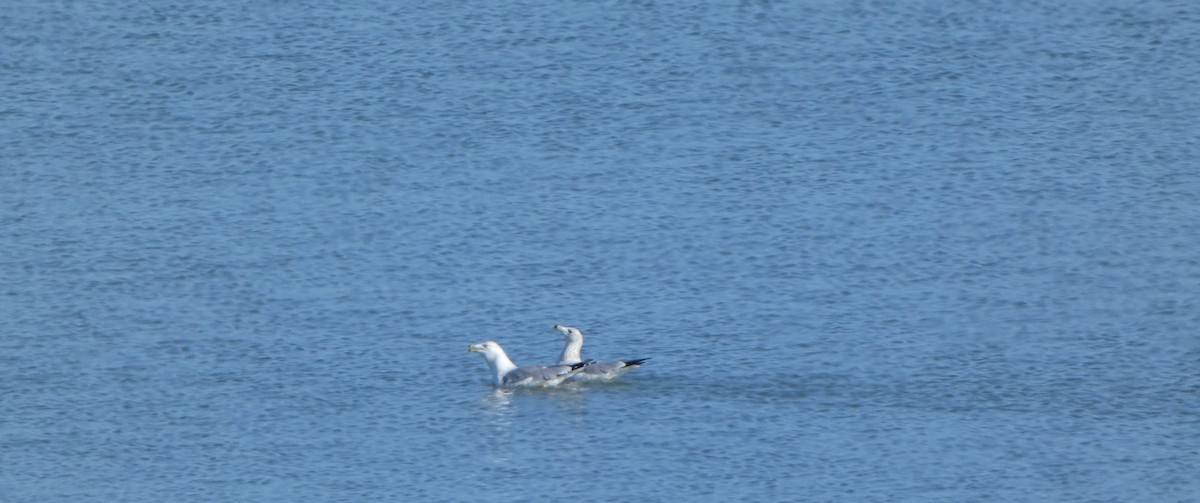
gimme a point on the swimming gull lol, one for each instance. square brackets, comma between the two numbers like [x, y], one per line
[604, 371]
[506, 373]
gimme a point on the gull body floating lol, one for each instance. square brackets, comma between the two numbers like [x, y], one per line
[506, 374]
[603, 371]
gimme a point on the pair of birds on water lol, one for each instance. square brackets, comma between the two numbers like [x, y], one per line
[571, 364]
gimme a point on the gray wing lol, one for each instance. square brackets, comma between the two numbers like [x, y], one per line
[603, 367]
[608, 371]
[538, 374]
[613, 366]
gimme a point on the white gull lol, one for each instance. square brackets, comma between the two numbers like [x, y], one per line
[507, 374]
[604, 371]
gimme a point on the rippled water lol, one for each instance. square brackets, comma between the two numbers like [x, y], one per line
[923, 251]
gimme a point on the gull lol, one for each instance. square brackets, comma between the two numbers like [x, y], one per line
[507, 374]
[605, 371]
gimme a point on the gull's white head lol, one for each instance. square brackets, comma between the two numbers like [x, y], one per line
[571, 333]
[489, 349]
[573, 351]
[497, 359]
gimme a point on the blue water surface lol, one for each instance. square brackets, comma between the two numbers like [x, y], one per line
[876, 251]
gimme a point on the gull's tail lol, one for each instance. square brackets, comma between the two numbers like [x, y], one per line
[634, 363]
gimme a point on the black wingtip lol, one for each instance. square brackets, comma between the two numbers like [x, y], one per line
[582, 364]
[634, 362]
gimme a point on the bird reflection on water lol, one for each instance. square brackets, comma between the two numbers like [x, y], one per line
[511, 412]
[500, 404]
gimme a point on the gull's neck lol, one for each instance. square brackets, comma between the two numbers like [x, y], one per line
[500, 364]
[573, 352]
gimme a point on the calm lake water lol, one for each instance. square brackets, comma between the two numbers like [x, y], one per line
[877, 252]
